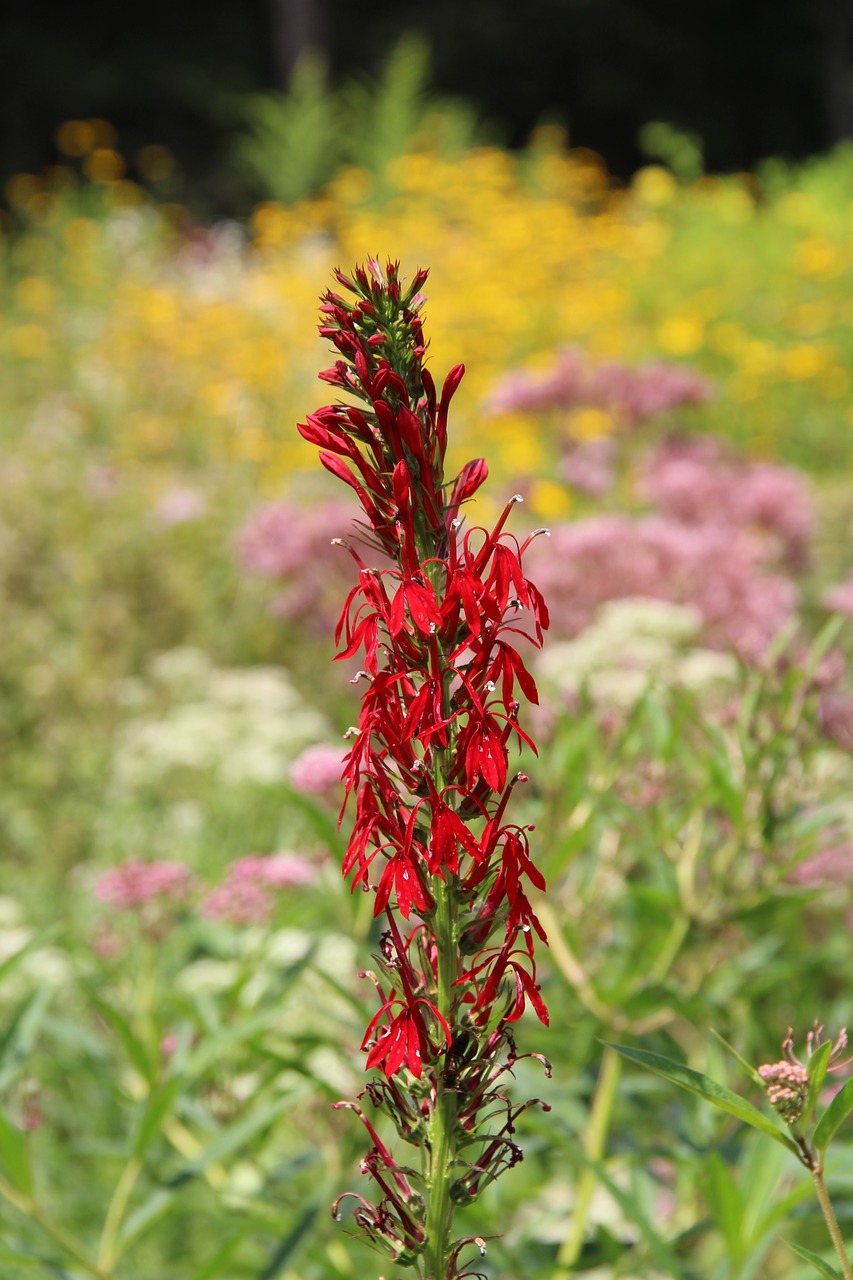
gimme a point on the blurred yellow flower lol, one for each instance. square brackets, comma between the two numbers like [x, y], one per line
[36, 294]
[654, 185]
[680, 335]
[104, 165]
[30, 341]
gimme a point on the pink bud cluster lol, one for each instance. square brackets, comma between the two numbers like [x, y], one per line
[429, 763]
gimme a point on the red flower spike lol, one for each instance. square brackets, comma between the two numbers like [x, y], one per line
[428, 766]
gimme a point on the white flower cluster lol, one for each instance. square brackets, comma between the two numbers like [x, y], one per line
[634, 642]
[188, 716]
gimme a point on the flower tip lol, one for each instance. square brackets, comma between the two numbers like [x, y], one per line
[516, 497]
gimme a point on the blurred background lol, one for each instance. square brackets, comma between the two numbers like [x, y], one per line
[749, 80]
[637, 219]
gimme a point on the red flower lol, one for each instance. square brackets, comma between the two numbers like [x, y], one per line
[404, 1042]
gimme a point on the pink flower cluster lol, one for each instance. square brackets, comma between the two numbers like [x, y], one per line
[632, 394]
[318, 770]
[696, 482]
[247, 895]
[720, 570]
[136, 883]
[292, 545]
[725, 537]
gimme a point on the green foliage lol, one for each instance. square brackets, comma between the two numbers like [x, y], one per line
[292, 147]
[681, 152]
[297, 142]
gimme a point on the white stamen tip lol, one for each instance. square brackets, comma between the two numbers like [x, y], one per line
[516, 497]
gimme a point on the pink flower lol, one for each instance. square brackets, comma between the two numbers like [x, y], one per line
[239, 902]
[832, 865]
[840, 598]
[247, 895]
[633, 395]
[292, 545]
[135, 883]
[278, 870]
[698, 483]
[318, 769]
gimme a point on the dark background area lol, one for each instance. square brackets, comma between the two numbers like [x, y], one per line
[752, 78]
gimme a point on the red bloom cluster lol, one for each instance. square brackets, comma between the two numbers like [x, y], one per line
[429, 766]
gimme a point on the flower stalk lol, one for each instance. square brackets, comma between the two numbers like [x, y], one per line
[428, 770]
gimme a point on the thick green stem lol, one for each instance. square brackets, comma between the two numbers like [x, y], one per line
[443, 1128]
[831, 1222]
[594, 1143]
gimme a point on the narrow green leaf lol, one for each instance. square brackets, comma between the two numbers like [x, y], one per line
[658, 1248]
[18, 1036]
[134, 1047]
[817, 1069]
[290, 1243]
[154, 1208]
[232, 1140]
[10, 1254]
[704, 1087]
[14, 1156]
[726, 1203]
[212, 1269]
[150, 1120]
[747, 1066]
[14, 961]
[834, 1116]
[213, 1047]
[814, 1259]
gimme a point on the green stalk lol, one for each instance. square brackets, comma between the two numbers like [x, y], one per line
[30, 1209]
[594, 1143]
[443, 1126]
[108, 1251]
[831, 1222]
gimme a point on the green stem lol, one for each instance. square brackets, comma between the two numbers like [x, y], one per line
[831, 1222]
[443, 1126]
[594, 1143]
[29, 1208]
[108, 1251]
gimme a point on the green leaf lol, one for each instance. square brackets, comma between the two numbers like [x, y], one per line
[658, 1248]
[834, 1116]
[212, 1269]
[10, 1254]
[18, 1036]
[11, 963]
[231, 1140]
[747, 1066]
[134, 1047]
[825, 1269]
[150, 1119]
[704, 1087]
[14, 1156]
[289, 1243]
[154, 1208]
[817, 1069]
[726, 1202]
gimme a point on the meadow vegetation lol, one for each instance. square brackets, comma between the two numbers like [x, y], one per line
[663, 371]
